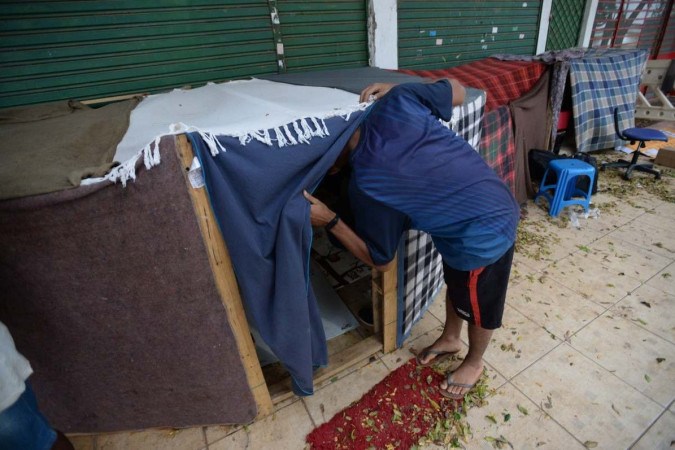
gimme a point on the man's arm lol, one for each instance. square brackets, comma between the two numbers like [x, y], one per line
[378, 90]
[320, 215]
[458, 92]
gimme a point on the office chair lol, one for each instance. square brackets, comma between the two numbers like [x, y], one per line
[640, 135]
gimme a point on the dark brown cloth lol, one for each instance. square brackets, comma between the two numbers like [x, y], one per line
[50, 147]
[109, 293]
[531, 129]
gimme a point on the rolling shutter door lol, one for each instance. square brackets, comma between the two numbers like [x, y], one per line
[54, 50]
[324, 34]
[450, 33]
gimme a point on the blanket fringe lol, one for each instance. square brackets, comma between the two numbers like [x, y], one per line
[299, 131]
[214, 144]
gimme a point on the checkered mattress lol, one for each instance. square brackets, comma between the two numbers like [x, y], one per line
[601, 81]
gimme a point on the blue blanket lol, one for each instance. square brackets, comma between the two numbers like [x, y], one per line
[256, 193]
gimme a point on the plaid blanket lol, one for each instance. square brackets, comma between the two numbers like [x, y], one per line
[421, 274]
[497, 146]
[601, 81]
[503, 81]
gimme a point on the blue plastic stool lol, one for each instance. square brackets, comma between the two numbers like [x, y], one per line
[565, 189]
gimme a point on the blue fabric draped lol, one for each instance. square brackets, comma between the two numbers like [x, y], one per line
[256, 194]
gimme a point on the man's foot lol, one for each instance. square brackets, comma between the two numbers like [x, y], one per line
[437, 352]
[461, 380]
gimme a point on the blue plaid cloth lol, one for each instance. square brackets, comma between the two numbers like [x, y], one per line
[602, 80]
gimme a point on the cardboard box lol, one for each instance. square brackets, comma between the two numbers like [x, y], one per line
[666, 157]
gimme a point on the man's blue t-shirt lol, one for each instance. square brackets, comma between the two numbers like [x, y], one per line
[410, 171]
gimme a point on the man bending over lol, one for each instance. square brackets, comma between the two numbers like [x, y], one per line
[411, 172]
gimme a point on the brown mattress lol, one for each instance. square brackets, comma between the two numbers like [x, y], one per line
[109, 294]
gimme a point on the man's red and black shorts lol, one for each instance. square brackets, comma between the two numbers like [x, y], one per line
[478, 295]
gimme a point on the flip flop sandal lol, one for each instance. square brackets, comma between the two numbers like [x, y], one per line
[451, 383]
[440, 355]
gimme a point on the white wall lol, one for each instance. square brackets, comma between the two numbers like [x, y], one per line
[587, 23]
[383, 34]
[544, 22]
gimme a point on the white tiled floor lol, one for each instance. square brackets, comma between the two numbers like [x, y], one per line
[593, 328]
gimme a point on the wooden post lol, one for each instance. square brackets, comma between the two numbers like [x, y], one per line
[384, 287]
[226, 282]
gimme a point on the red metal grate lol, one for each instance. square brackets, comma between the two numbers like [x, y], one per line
[631, 24]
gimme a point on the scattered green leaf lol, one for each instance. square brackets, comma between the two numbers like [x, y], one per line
[523, 410]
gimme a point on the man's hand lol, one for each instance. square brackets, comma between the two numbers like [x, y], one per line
[319, 213]
[375, 91]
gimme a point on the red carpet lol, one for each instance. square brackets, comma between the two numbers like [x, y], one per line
[396, 413]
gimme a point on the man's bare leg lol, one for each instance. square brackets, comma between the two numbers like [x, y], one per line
[470, 370]
[449, 340]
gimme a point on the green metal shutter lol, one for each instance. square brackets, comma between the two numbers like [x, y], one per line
[434, 34]
[565, 24]
[324, 34]
[54, 50]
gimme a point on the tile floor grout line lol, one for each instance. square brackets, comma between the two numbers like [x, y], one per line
[645, 248]
[311, 419]
[235, 429]
[630, 293]
[536, 360]
[613, 373]
[509, 381]
[638, 324]
[606, 308]
[646, 430]
[206, 441]
[547, 414]
[654, 276]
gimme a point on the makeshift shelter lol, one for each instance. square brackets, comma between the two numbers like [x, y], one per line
[141, 311]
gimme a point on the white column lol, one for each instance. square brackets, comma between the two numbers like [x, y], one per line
[587, 23]
[383, 34]
[543, 26]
